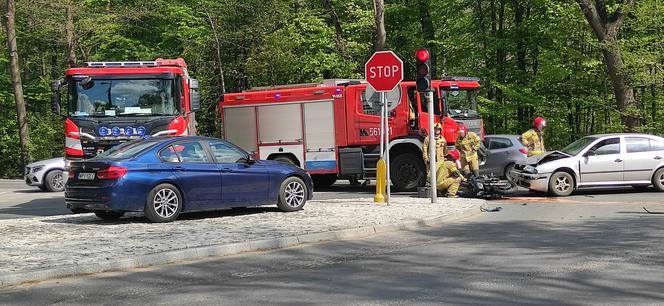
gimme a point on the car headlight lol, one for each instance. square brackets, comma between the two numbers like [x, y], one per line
[37, 169]
[530, 169]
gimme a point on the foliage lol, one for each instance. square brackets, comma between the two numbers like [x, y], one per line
[535, 57]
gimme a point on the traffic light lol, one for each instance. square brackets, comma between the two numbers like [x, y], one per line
[423, 73]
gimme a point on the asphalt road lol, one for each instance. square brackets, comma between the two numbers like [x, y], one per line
[548, 253]
[18, 200]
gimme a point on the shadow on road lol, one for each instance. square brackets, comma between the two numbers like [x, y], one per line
[614, 261]
[139, 218]
[37, 207]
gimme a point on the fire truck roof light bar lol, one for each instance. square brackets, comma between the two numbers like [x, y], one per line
[460, 78]
[122, 64]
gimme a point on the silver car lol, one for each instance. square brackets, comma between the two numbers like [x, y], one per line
[599, 160]
[505, 151]
[48, 174]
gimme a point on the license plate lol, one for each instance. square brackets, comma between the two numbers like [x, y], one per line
[86, 176]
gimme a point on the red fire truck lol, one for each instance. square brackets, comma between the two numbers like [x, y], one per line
[331, 129]
[112, 102]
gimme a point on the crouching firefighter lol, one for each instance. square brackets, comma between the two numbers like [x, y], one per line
[448, 176]
[468, 144]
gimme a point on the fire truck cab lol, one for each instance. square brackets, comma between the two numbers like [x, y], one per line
[331, 129]
[112, 102]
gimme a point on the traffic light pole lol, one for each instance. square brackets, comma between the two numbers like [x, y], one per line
[432, 148]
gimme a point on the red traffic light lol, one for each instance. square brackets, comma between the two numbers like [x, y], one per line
[422, 55]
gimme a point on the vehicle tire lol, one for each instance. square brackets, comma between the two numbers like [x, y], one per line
[164, 203]
[293, 194]
[509, 169]
[508, 190]
[109, 215]
[561, 184]
[407, 172]
[79, 210]
[658, 179]
[323, 180]
[285, 159]
[54, 181]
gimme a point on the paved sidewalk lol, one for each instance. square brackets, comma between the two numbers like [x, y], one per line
[35, 244]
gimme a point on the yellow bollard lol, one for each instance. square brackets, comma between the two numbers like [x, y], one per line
[380, 182]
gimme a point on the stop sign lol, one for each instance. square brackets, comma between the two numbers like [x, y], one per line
[384, 71]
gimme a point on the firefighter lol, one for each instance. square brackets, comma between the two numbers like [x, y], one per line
[448, 176]
[533, 139]
[468, 144]
[441, 145]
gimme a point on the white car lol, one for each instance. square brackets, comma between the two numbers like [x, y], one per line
[48, 174]
[599, 160]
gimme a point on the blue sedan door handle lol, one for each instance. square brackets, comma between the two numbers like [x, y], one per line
[226, 170]
[178, 168]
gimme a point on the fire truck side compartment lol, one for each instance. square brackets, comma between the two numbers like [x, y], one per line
[320, 136]
[240, 127]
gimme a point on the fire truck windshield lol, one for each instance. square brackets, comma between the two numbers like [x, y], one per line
[461, 104]
[122, 97]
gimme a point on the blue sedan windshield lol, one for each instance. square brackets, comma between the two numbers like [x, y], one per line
[576, 147]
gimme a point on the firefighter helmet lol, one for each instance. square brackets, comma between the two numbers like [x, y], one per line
[539, 122]
[455, 154]
[462, 129]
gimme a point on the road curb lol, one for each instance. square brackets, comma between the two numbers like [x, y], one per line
[200, 252]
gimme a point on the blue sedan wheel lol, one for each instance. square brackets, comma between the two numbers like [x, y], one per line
[292, 194]
[164, 203]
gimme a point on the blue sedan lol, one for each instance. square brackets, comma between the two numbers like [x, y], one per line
[164, 176]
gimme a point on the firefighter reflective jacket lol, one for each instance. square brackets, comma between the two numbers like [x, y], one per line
[468, 146]
[447, 169]
[534, 141]
[441, 148]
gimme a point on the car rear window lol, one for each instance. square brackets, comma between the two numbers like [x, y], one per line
[637, 144]
[499, 143]
[127, 150]
[656, 145]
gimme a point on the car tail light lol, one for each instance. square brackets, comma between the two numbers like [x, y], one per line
[524, 151]
[112, 173]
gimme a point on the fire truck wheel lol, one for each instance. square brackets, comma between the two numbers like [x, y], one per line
[292, 194]
[164, 203]
[323, 180]
[407, 172]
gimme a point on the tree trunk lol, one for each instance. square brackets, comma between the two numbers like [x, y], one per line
[15, 71]
[217, 47]
[606, 26]
[341, 45]
[428, 32]
[379, 18]
[69, 34]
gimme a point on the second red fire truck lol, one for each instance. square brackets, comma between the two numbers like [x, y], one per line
[332, 131]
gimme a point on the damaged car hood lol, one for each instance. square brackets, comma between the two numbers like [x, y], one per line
[544, 158]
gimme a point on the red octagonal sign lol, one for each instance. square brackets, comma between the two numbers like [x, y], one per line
[384, 71]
